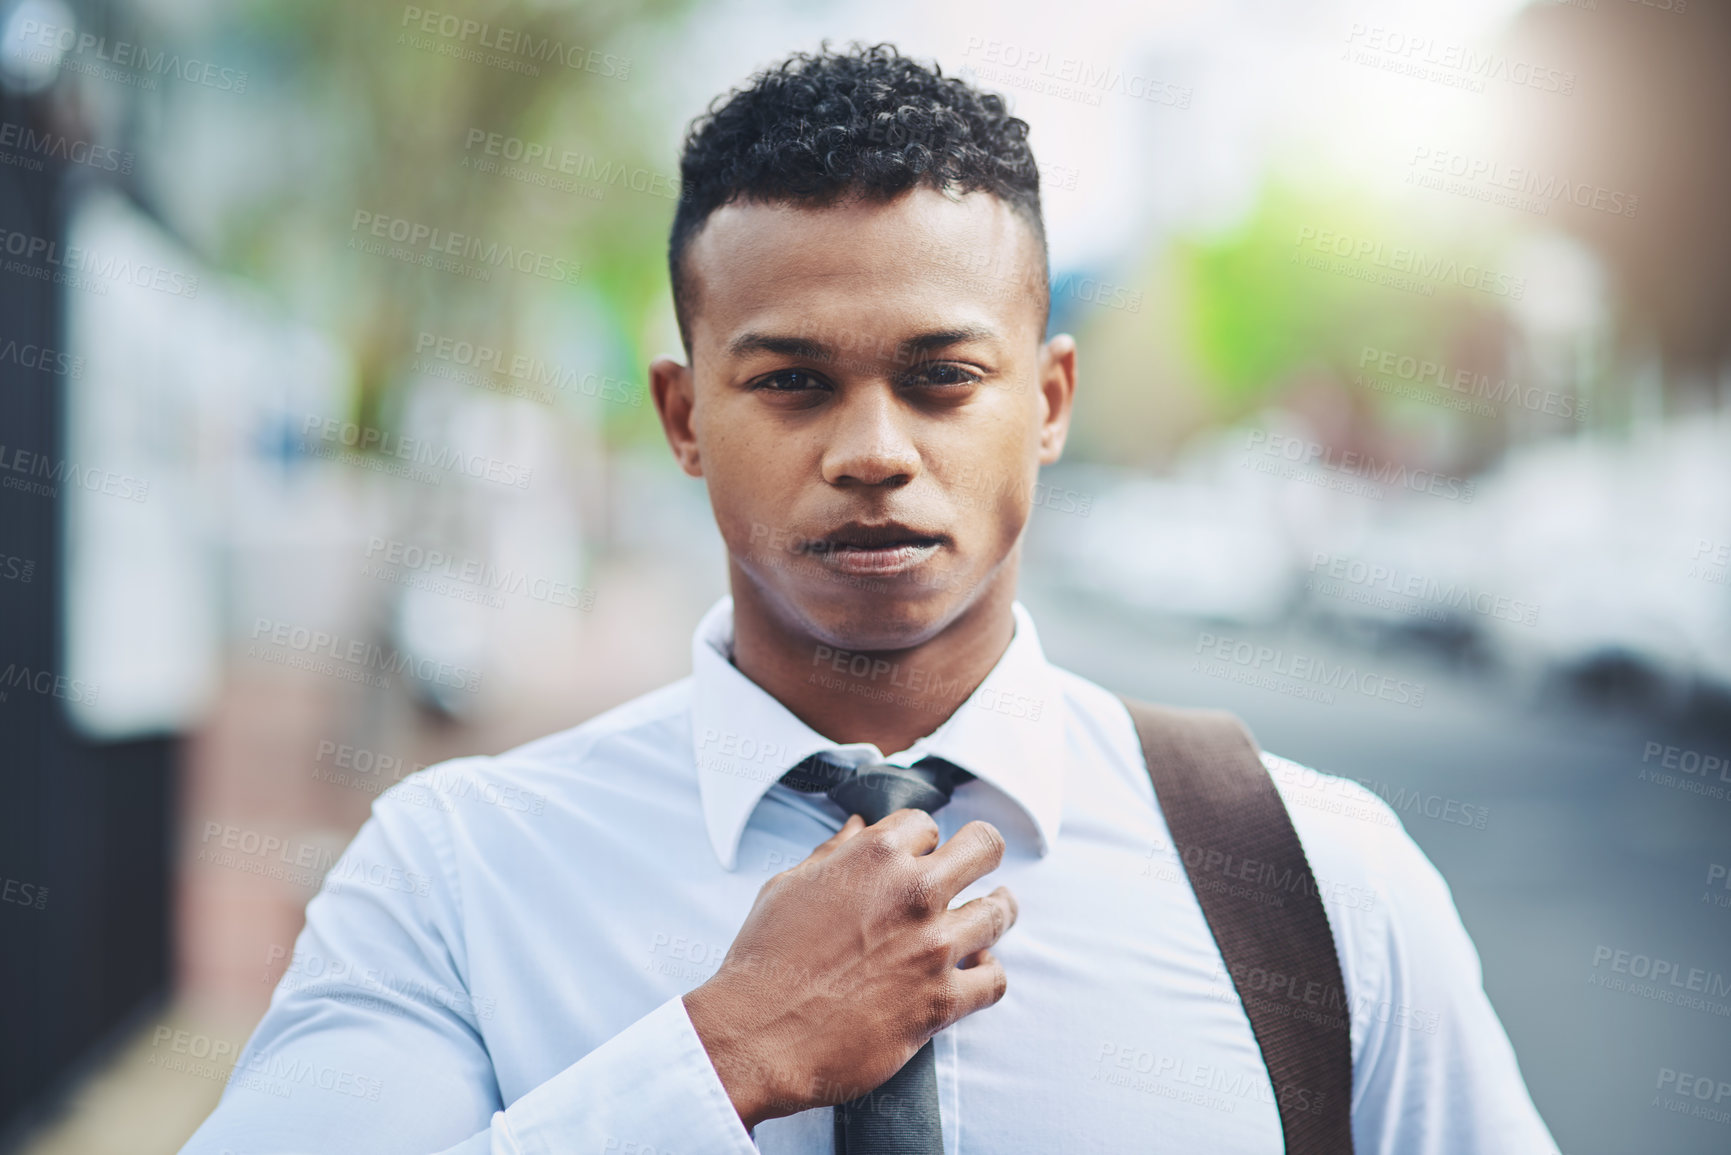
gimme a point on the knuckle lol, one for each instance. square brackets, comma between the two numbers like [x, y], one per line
[933, 952]
[1000, 919]
[920, 895]
[921, 820]
[1000, 981]
[990, 839]
[875, 846]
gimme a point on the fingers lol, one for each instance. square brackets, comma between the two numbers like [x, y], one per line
[975, 926]
[979, 986]
[978, 958]
[830, 845]
[975, 850]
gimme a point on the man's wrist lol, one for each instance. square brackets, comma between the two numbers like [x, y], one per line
[747, 1081]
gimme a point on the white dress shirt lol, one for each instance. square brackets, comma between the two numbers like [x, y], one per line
[496, 963]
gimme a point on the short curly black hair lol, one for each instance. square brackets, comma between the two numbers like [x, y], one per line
[866, 121]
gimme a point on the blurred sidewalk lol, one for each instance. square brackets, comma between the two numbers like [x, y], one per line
[264, 765]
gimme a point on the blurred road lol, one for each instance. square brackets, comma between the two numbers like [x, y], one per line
[1578, 854]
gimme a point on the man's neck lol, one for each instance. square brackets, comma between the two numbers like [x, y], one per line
[890, 698]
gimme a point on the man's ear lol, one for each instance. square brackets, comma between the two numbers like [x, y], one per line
[671, 386]
[1057, 392]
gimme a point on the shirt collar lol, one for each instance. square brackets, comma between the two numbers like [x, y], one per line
[1009, 732]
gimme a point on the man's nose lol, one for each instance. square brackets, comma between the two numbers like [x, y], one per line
[870, 441]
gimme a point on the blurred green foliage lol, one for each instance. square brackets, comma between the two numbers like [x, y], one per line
[1257, 315]
[370, 113]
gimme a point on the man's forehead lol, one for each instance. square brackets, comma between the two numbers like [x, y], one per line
[939, 259]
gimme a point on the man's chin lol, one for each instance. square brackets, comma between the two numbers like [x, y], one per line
[876, 613]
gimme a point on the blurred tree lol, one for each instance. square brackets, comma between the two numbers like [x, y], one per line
[1259, 313]
[387, 110]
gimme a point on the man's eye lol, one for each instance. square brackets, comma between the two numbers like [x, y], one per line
[942, 373]
[789, 381]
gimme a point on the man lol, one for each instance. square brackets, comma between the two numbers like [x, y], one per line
[694, 941]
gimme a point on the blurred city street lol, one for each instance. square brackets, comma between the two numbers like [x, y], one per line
[1403, 431]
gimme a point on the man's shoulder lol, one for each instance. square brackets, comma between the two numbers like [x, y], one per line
[650, 722]
[647, 734]
[1351, 836]
[1347, 830]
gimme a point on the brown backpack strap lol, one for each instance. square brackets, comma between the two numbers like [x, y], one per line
[1249, 872]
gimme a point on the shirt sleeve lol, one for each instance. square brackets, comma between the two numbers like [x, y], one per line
[1436, 1074]
[372, 1042]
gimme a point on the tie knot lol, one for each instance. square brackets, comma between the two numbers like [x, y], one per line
[878, 788]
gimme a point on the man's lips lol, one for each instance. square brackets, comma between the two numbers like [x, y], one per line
[877, 549]
[880, 535]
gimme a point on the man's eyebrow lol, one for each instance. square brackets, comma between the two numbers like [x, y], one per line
[803, 348]
[944, 338]
[809, 349]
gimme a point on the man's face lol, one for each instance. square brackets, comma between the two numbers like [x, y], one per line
[869, 401]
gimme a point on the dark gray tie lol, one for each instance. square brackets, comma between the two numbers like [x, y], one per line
[901, 1116]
